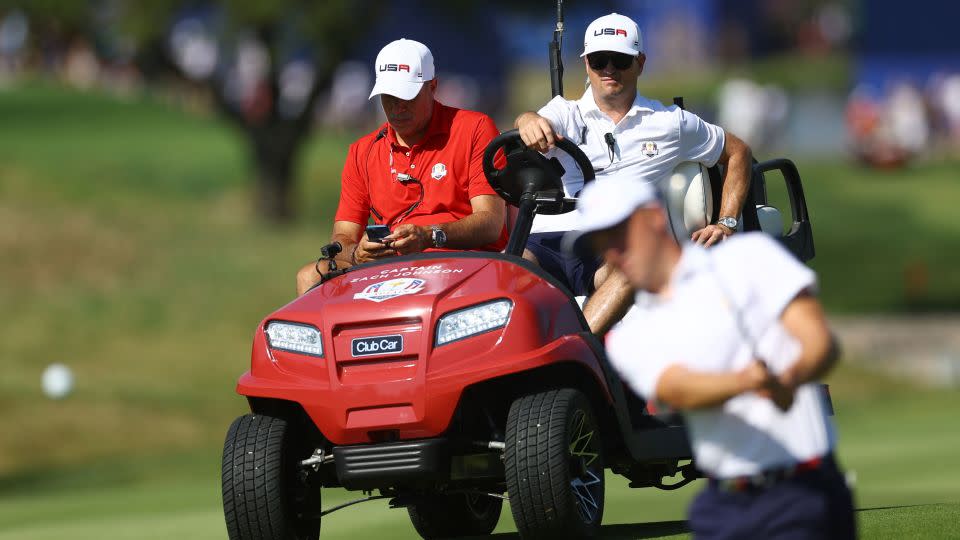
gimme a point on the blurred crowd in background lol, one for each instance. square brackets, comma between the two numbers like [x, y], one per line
[900, 99]
[890, 126]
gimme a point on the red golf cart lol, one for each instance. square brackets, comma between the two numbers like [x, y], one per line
[448, 383]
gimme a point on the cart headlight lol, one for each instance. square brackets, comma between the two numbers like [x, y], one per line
[473, 320]
[294, 337]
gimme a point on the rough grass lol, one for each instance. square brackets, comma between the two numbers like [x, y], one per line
[130, 252]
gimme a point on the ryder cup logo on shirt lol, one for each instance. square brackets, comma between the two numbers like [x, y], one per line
[385, 290]
[649, 148]
[439, 171]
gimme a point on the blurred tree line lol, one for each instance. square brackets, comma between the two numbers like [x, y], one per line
[239, 50]
[264, 62]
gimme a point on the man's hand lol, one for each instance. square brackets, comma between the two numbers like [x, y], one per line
[407, 239]
[536, 132]
[754, 376]
[368, 250]
[780, 395]
[758, 378]
[710, 235]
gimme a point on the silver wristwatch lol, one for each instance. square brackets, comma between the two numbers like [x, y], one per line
[437, 236]
[728, 222]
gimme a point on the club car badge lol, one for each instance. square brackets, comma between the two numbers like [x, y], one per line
[439, 171]
[385, 290]
[649, 148]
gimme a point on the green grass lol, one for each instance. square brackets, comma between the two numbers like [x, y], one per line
[130, 252]
[883, 237]
[910, 521]
[895, 439]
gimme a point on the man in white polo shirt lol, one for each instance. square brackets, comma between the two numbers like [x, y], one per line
[621, 131]
[734, 338]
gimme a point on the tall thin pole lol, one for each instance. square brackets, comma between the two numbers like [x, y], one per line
[556, 61]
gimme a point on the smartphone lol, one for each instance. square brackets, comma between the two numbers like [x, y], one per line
[376, 233]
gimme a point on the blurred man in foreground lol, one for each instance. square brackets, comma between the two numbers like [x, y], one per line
[420, 174]
[734, 338]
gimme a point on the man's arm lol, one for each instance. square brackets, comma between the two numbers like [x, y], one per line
[737, 158]
[345, 232]
[356, 250]
[481, 227]
[348, 234]
[352, 209]
[685, 389]
[803, 318]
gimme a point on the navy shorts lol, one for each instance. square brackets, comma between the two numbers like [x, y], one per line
[575, 273]
[812, 505]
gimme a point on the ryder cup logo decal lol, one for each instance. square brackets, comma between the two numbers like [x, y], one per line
[649, 148]
[385, 290]
[439, 171]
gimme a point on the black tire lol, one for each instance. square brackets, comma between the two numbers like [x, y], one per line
[453, 516]
[554, 466]
[263, 497]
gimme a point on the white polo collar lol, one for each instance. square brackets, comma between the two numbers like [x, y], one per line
[588, 105]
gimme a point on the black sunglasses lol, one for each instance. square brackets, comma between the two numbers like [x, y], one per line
[598, 60]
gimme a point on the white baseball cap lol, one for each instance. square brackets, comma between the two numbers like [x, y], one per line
[605, 204]
[613, 32]
[401, 69]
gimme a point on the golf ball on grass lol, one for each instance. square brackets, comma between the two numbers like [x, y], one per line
[57, 381]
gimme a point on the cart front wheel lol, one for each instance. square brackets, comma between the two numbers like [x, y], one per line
[554, 465]
[264, 495]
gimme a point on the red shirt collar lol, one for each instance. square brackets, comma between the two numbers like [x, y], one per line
[440, 121]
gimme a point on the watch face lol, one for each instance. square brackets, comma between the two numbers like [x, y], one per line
[728, 222]
[439, 238]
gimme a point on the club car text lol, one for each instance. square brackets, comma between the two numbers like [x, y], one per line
[369, 346]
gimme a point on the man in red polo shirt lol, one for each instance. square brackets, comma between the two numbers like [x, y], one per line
[420, 174]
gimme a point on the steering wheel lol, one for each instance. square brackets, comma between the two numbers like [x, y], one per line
[529, 170]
